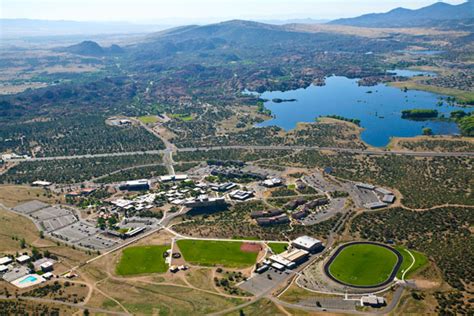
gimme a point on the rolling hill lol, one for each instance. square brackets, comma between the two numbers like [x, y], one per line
[91, 48]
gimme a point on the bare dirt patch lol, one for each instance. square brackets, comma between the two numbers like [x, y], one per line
[251, 247]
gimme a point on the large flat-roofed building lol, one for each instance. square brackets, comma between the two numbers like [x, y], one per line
[383, 191]
[275, 220]
[222, 187]
[23, 259]
[307, 243]
[205, 201]
[241, 195]
[372, 300]
[388, 198]
[365, 186]
[5, 260]
[266, 213]
[375, 205]
[3, 269]
[300, 214]
[290, 258]
[135, 185]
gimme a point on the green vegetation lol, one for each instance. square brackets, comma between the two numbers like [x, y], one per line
[133, 174]
[182, 117]
[75, 135]
[449, 178]
[363, 264]
[148, 119]
[342, 118]
[466, 125]
[222, 224]
[420, 261]
[444, 234]
[427, 131]
[74, 170]
[230, 154]
[282, 191]
[278, 247]
[142, 259]
[210, 253]
[437, 144]
[419, 114]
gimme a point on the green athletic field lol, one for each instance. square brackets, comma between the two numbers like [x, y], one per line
[278, 247]
[142, 259]
[363, 265]
[210, 253]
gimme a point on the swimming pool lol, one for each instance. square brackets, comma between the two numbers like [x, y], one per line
[28, 279]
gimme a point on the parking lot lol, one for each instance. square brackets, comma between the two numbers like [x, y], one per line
[30, 207]
[366, 196]
[325, 212]
[49, 212]
[261, 283]
[319, 182]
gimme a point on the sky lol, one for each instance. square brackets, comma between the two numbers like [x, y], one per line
[177, 11]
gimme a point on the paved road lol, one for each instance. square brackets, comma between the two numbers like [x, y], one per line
[191, 149]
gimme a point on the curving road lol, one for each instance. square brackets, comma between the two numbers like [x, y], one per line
[168, 151]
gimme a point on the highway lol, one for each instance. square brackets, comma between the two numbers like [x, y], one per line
[167, 152]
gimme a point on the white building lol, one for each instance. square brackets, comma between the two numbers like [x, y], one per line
[372, 300]
[3, 269]
[23, 259]
[270, 183]
[5, 260]
[40, 183]
[46, 266]
[307, 243]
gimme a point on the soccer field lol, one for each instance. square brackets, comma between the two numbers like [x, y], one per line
[142, 259]
[363, 264]
[210, 253]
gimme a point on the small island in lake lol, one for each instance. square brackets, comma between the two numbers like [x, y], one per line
[419, 114]
[278, 100]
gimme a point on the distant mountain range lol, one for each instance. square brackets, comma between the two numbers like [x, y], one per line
[438, 14]
[14, 28]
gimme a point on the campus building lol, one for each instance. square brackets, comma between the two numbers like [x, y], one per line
[307, 243]
[135, 185]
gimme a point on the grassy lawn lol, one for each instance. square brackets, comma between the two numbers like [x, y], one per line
[363, 264]
[182, 117]
[210, 253]
[278, 247]
[142, 259]
[148, 119]
[420, 261]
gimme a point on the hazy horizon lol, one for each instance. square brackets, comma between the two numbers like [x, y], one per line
[189, 11]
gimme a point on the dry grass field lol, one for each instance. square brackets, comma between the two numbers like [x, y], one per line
[11, 195]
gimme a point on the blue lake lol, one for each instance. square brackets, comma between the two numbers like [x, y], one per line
[378, 108]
